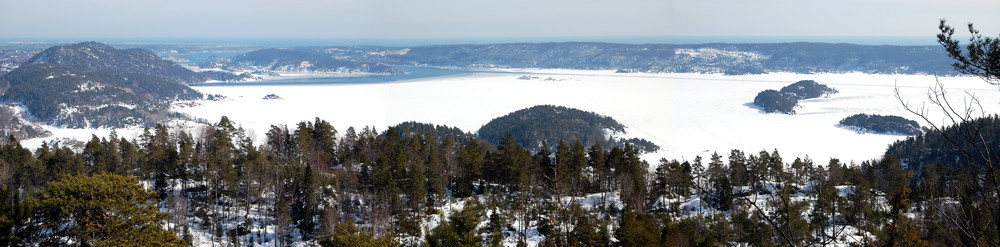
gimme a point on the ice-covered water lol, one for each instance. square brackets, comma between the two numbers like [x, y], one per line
[686, 114]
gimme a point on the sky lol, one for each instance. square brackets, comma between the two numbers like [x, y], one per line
[506, 20]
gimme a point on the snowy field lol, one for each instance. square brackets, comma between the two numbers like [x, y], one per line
[686, 114]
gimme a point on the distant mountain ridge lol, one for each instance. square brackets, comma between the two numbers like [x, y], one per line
[801, 57]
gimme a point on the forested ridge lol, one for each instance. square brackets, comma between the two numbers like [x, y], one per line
[101, 57]
[91, 85]
[62, 95]
[297, 61]
[308, 183]
[799, 57]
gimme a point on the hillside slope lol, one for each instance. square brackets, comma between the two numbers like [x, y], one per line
[94, 85]
[101, 57]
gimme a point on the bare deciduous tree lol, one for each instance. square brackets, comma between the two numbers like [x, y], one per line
[981, 58]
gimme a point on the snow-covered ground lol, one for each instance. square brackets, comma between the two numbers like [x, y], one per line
[686, 114]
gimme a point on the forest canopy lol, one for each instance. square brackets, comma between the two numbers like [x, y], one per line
[548, 124]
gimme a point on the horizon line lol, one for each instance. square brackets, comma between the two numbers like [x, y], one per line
[331, 41]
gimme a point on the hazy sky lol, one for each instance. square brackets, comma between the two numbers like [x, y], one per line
[464, 19]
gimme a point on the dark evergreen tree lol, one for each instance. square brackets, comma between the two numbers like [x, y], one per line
[900, 231]
[460, 229]
[105, 209]
[738, 168]
[636, 229]
[722, 189]
[471, 158]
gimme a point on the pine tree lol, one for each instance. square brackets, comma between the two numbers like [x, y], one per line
[859, 211]
[347, 148]
[347, 234]
[417, 176]
[636, 229]
[792, 226]
[305, 204]
[105, 209]
[718, 176]
[775, 166]
[661, 186]
[324, 143]
[587, 230]
[470, 158]
[900, 231]
[738, 168]
[436, 176]
[13, 215]
[598, 162]
[577, 162]
[460, 230]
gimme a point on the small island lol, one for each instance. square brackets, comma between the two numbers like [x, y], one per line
[892, 125]
[549, 124]
[808, 89]
[271, 96]
[773, 101]
[784, 101]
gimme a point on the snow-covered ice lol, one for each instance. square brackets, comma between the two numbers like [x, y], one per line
[685, 114]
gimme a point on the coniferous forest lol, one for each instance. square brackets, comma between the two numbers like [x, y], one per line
[311, 183]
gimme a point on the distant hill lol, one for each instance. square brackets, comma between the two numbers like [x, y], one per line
[573, 55]
[100, 57]
[94, 85]
[298, 61]
[80, 98]
[548, 123]
[881, 124]
[799, 57]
